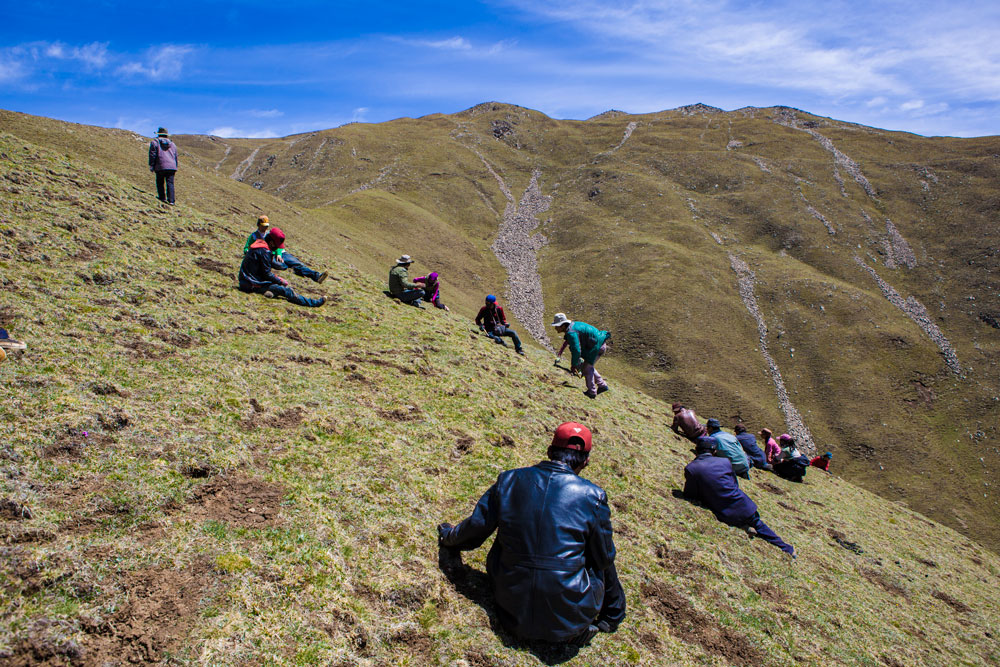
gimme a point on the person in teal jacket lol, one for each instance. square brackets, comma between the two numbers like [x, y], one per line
[586, 343]
[729, 446]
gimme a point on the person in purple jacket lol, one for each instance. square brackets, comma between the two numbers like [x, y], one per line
[432, 290]
[163, 161]
[710, 480]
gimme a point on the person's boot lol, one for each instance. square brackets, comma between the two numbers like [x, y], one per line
[589, 394]
[520, 351]
[584, 637]
[603, 388]
[323, 276]
[320, 301]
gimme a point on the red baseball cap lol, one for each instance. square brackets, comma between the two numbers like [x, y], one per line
[275, 238]
[569, 435]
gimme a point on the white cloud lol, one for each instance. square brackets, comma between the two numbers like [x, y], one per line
[911, 105]
[161, 63]
[454, 43]
[94, 55]
[266, 113]
[10, 69]
[879, 101]
[228, 132]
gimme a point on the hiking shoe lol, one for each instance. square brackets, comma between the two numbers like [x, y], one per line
[323, 276]
[603, 388]
[8, 343]
[268, 294]
[321, 301]
[500, 341]
[584, 637]
[520, 351]
[589, 395]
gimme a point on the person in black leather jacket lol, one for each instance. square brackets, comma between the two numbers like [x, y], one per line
[552, 564]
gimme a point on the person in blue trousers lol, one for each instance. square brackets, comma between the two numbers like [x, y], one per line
[257, 277]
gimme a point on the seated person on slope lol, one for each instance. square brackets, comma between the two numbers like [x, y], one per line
[400, 286]
[492, 320]
[552, 564]
[822, 462]
[432, 290]
[710, 480]
[730, 447]
[686, 423]
[750, 448]
[792, 464]
[257, 277]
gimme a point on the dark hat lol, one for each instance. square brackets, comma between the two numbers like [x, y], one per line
[740, 428]
[677, 407]
[705, 444]
[713, 423]
[162, 132]
[571, 435]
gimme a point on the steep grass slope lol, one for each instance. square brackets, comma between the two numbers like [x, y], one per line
[873, 253]
[195, 475]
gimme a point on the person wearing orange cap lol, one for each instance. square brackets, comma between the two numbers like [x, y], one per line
[263, 227]
[552, 564]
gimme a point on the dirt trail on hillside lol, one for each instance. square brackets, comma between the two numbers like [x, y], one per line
[796, 425]
[918, 313]
[629, 129]
[244, 166]
[517, 249]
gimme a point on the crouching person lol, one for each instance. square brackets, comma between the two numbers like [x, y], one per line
[552, 564]
[257, 277]
[710, 480]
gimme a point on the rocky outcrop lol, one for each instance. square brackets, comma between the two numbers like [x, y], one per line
[796, 425]
[918, 313]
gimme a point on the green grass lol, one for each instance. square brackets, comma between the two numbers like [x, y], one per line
[337, 562]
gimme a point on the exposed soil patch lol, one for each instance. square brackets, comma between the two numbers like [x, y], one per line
[290, 418]
[676, 561]
[159, 609]
[239, 501]
[790, 508]
[957, 605]
[463, 443]
[144, 349]
[88, 251]
[841, 539]
[27, 574]
[18, 535]
[176, 339]
[650, 641]
[114, 421]
[13, 511]
[695, 627]
[419, 645]
[504, 440]
[308, 361]
[768, 591]
[924, 561]
[771, 488]
[403, 413]
[108, 389]
[377, 361]
[883, 581]
[213, 265]
[73, 442]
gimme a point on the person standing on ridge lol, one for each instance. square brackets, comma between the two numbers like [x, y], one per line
[552, 564]
[257, 277]
[493, 321]
[432, 289]
[822, 462]
[586, 344]
[400, 286]
[686, 423]
[286, 260]
[750, 448]
[727, 445]
[163, 162]
[710, 480]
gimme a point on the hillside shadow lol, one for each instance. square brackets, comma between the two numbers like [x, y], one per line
[475, 586]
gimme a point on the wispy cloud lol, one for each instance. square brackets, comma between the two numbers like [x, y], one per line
[228, 132]
[454, 44]
[161, 63]
[94, 55]
[266, 113]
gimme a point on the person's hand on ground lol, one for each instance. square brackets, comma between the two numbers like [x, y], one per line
[283, 281]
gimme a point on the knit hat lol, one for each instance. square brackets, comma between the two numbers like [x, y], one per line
[162, 132]
[263, 221]
[276, 238]
[828, 455]
[433, 275]
[571, 435]
[491, 299]
[785, 440]
[713, 423]
[404, 259]
[560, 319]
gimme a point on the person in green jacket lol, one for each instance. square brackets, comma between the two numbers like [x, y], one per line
[586, 343]
[400, 285]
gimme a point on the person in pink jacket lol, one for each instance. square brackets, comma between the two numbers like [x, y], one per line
[771, 449]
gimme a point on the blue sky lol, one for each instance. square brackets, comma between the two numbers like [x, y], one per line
[257, 68]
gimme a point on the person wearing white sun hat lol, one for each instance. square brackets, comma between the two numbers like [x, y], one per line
[586, 343]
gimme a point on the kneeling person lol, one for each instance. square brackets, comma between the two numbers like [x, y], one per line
[552, 564]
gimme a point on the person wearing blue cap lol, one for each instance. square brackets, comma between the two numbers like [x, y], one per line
[730, 447]
[822, 462]
[492, 320]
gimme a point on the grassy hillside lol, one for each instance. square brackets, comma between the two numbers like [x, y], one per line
[196, 475]
[645, 215]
